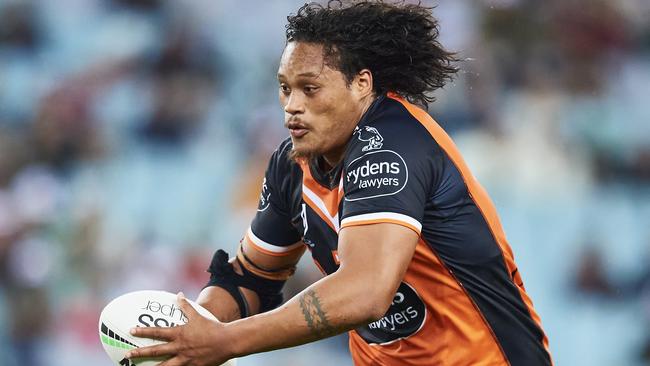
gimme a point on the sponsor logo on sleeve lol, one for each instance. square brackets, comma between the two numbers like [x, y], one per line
[265, 195]
[371, 136]
[404, 317]
[305, 223]
[375, 174]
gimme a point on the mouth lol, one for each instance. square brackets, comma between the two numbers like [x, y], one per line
[298, 132]
[297, 129]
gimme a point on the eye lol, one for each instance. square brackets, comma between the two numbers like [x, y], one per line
[310, 89]
[284, 89]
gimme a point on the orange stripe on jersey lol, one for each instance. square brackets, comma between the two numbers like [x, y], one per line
[454, 332]
[335, 256]
[378, 221]
[279, 275]
[318, 211]
[260, 249]
[331, 198]
[478, 194]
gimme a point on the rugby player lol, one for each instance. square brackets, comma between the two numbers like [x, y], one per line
[417, 267]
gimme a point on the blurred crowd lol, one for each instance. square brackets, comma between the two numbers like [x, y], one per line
[134, 135]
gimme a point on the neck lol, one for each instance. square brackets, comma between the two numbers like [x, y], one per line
[333, 158]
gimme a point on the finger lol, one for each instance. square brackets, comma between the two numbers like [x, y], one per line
[185, 306]
[165, 349]
[159, 333]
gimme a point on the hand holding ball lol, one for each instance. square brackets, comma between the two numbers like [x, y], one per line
[140, 309]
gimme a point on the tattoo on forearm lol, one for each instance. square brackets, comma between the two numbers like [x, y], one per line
[315, 315]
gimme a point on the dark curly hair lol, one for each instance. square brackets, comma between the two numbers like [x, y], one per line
[397, 42]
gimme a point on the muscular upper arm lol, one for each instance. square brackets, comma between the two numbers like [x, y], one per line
[378, 254]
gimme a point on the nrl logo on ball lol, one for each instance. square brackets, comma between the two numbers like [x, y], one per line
[370, 135]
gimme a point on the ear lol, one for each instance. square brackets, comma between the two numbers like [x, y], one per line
[363, 83]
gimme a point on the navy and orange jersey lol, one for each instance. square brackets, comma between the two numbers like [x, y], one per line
[462, 300]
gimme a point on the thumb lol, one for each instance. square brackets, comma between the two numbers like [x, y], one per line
[185, 306]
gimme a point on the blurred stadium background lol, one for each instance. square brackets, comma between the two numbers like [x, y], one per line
[134, 134]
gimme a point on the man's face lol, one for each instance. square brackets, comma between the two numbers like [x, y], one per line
[320, 109]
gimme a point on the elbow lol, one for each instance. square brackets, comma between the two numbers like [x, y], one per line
[369, 299]
[374, 305]
[375, 314]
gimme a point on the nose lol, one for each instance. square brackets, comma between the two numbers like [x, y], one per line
[294, 104]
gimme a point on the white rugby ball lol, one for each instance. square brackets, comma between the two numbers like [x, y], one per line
[140, 309]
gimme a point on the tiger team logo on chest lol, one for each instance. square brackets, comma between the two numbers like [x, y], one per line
[371, 136]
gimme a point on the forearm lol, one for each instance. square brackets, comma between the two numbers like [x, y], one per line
[330, 306]
[223, 306]
[359, 292]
